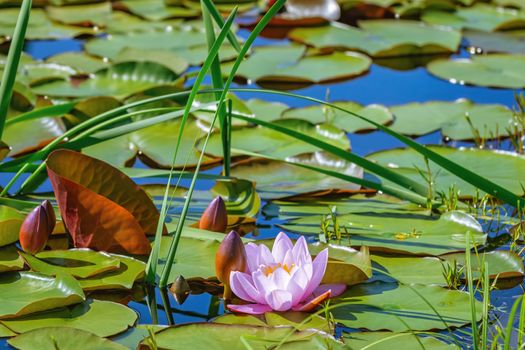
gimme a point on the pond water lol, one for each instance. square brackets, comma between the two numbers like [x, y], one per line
[382, 85]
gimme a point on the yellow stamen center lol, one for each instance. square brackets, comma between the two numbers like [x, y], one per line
[268, 270]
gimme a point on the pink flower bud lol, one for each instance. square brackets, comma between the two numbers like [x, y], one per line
[215, 217]
[231, 256]
[37, 227]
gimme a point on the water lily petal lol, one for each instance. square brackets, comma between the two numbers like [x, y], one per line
[253, 309]
[311, 304]
[336, 289]
[252, 257]
[281, 245]
[319, 268]
[279, 300]
[241, 285]
[297, 286]
[263, 284]
[265, 256]
[281, 278]
[300, 252]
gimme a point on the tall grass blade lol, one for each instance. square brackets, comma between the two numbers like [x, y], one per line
[151, 267]
[472, 293]
[220, 22]
[13, 59]
[244, 50]
[510, 323]
[486, 303]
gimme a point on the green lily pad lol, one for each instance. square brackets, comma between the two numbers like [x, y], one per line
[266, 110]
[79, 61]
[276, 319]
[503, 168]
[62, 338]
[512, 41]
[102, 318]
[238, 107]
[6, 332]
[382, 223]
[275, 144]
[133, 336]
[480, 17]
[382, 38]
[318, 114]
[390, 340]
[10, 222]
[292, 64]
[157, 11]
[399, 308]
[80, 263]
[155, 145]
[130, 270]
[40, 26]
[493, 70]
[276, 179]
[10, 260]
[233, 337]
[28, 292]
[124, 23]
[86, 14]
[167, 58]
[489, 120]
[120, 80]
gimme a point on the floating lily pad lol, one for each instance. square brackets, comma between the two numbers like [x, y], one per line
[10, 222]
[238, 106]
[291, 64]
[167, 58]
[382, 38]
[480, 16]
[62, 338]
[28, 292]
[157, 11]
[119, 80]
[155, 145]
[266, 110]
[457, 120]
[40, 27]
[124, 23]
[86, 14]
[390, 340]
[10, 260]
[130, 270]
[79, 61]
[512, 41]
[383, 224]
[504, 168]
[6, 332]
[102, 318]
[318, 114]
[276, 319]
[133, 336]
[399, 308]
[276, 144]
[80, 263]
[233, 337]
[276, 179]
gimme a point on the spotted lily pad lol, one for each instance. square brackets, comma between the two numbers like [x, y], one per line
[29, 292]
[504, 168]
[291, 64]
[382, 223]
[382, 38]
[318, 114]
[457, 120]
[120, 80]
[102, 318]
[80, 263]
[62, 338]
[399, 308]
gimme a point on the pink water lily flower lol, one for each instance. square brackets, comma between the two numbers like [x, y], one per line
[284, 279]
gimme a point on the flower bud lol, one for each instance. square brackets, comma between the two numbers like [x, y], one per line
[231, 256]
[215, 217]
[37, 227]
[180, 289]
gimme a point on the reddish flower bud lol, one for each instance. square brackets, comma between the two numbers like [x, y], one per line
[231, 256]
[37, 227]
[215, 217]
